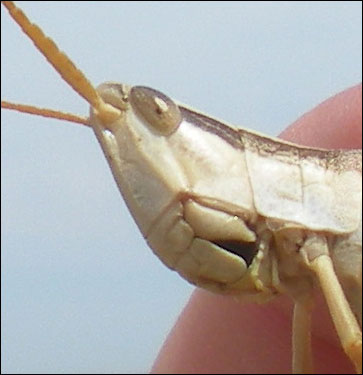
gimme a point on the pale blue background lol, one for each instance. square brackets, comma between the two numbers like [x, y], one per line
[81, 292]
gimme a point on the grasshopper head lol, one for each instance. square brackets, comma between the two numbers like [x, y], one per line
[184, 180]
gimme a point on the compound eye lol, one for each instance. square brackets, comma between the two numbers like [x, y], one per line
[156, 109]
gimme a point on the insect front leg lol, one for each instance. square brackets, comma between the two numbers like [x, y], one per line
[302, 362]
[348, 329]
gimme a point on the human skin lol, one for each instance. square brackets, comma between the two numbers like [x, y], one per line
[217, 335]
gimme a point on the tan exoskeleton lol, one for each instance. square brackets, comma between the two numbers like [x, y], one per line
[232, 211]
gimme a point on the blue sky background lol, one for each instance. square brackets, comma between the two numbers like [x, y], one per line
[81, 292]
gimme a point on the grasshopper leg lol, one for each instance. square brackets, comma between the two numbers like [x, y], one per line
[301, 337]
[344, 320]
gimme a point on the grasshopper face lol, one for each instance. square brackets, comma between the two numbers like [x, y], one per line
[139, 153]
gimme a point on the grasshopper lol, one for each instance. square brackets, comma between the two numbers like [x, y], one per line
[198, 191]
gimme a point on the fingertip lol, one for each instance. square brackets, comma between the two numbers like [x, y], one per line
[335, 123]
[218, 334]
